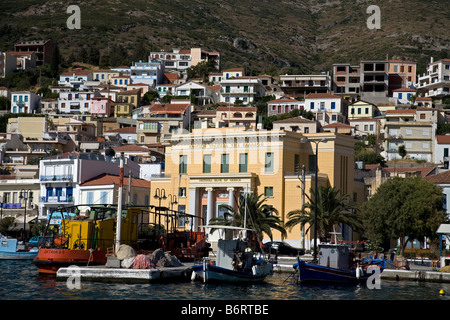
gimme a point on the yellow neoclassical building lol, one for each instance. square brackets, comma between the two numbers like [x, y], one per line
[210, 167]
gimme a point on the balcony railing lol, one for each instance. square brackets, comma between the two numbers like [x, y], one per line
[56, 199]
[63, 177]
[11, 205]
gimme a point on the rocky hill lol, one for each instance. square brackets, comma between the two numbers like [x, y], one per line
[265, 36]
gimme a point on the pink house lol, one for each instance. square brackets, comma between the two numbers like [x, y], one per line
[102, 106]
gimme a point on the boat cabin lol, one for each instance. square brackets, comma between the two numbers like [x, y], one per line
[335, 256]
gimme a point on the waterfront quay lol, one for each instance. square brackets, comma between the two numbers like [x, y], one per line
[417, 272]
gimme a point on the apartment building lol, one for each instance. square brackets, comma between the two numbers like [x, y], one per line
[24, 102]
[402, 74]
[8, 63]
[283, 105]
[243, 90]
[43, 49]
[327, 108]
[75, 102]
[236, 116]
[346, 80]
[435, 83]
[74, 79]
[374, 79]
[413, 128]
[301, 85]
[150, 73]
[60, 177]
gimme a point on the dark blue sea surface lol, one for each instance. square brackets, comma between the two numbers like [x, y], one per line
[20, 280]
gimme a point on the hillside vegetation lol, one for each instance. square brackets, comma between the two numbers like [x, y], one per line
[264, 36]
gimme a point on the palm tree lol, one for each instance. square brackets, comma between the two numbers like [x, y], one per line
[260, 216]
[332, 208]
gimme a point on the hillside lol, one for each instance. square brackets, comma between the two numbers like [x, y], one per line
[265, 36]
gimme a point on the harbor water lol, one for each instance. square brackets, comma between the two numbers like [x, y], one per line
[19, 280]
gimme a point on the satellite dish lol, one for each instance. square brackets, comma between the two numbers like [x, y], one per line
[153, 158]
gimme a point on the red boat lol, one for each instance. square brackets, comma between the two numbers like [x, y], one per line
[84, 240]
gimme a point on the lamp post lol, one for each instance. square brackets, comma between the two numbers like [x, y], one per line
[25, 195]
[172, 201]
[316, 142]
[160, 194]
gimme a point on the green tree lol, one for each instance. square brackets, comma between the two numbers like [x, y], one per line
[405, 209]
[332, 208]
[260, 216]
[201, 70]
[5, 103]
[402, 151]
[55, 62]
[149, 96]
[6, 223]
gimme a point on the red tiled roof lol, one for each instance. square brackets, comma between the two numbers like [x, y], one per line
[174, 108]
[124, 130]
[337, 125]
[107, 179]
[20, 53]
[404, 89]
[424, 99]
[439, 178]
[284, 99]
[401, 111]
[76, 72]
[423, 171]
[321, 95]
[443, 139]
[130, 148]
[363, 119]
[249, 109]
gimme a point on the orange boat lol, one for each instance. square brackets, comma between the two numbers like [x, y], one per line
[84, 240]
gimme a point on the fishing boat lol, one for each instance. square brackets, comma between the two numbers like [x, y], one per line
[10, 249]
[235, 262]
[84, 240]
[335, 265]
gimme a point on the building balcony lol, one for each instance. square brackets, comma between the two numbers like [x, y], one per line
[61, 177]
[56, 199]
[11, 205]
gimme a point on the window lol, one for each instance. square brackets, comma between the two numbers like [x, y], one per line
[183, 164]
[408, 132]
[269, 162]
[90, 197]
[296, 163]
[245, 88]
[425, 145]
[333, 105]
[224, 166]
[243, 157]
[268, 192]
[181, 217]
[207, 163]
[312, 162]
[312, 105]
[104, 197]
[425, 132]
[227, 89]
[182, 192]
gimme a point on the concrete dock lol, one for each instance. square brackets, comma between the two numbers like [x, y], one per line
[107, 274]
[183, 273]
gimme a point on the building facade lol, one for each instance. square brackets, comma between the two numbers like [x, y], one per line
[210, 167]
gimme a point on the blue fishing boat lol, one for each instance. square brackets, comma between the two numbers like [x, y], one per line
[11, 250]
[235, 262]
[335, 265]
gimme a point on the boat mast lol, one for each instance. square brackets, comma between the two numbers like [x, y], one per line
[119, 204]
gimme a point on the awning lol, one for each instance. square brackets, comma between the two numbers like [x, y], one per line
[443, 229]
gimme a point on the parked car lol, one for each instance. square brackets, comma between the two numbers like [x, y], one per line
[282, 248]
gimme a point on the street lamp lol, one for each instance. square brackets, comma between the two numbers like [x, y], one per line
[316, 142]
[25, 195]
[172, 201]
[160, 194]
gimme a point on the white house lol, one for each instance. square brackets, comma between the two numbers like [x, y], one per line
[24, 102]
[74, 79]
[60, 177]
[150, 73]
[244, 89]
[8, 63]
[365, 126]
[441, 150]
[327, 107]
[76, 101]
[402, 95]
[435, 82]
[201, 94]
[283, 105]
